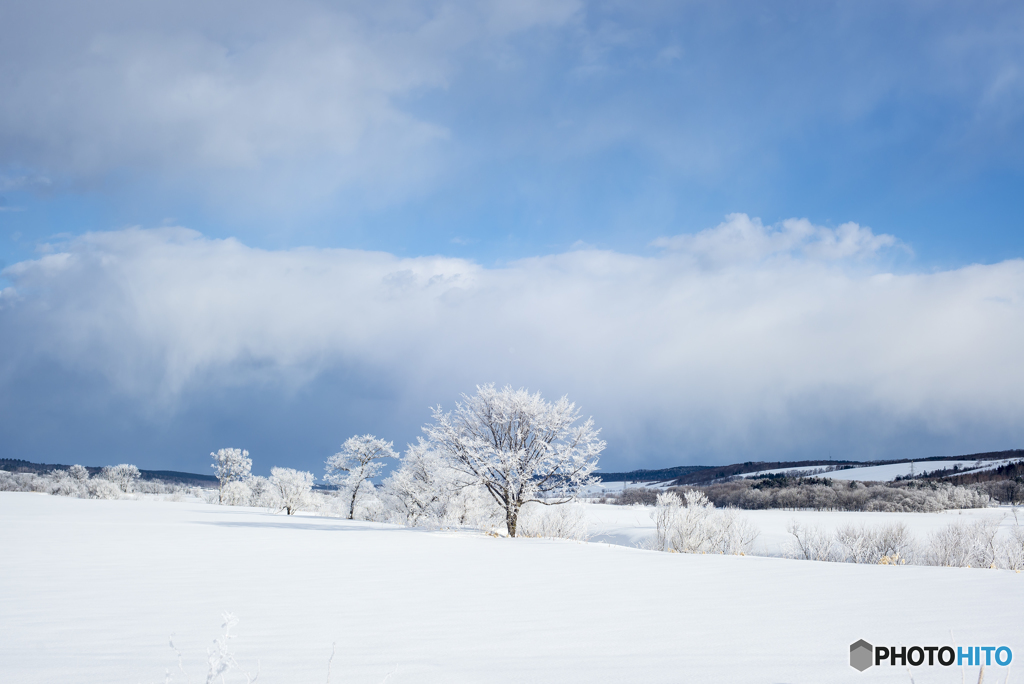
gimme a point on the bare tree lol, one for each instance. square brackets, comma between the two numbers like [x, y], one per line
[518, 446]
[358, 461]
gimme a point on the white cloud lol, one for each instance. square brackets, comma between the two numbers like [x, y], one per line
[264, 99]
[775, 356]
[743, 239]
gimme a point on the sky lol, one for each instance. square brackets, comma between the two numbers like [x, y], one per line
[729, 231]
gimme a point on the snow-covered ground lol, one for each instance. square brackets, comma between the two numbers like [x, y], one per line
[92, 590]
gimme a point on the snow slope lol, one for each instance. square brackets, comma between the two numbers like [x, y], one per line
[91, 591]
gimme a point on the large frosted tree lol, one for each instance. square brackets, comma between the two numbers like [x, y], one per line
[361, 458]
[518, 446]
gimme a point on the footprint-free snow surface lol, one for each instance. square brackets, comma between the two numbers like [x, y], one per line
[92, 591]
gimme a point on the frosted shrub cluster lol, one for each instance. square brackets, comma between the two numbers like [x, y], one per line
[837, 495]
[964, 545]
[853, 544]
[975, 544]
[693, 525]
[112, 482]
[557, 522]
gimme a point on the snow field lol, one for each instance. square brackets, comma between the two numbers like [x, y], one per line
[93, 589]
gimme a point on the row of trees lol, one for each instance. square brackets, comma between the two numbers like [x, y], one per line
[111, 483]
[824, 494]
[499, 450]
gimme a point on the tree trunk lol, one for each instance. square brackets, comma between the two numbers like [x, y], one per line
[352, 506]
[511, 519]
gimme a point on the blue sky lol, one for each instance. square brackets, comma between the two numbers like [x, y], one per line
[491, 146]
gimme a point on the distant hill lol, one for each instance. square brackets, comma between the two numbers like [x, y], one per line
[698, 474]
[650, 475]
[15, 465]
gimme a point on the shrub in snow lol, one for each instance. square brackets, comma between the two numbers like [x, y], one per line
[518, 447]
[100, 488]
[963, 545]
[220, 657]
[692, 525]
[235, 493]
[810, 543]
[556, 522]
[360, 458]
[875, 544]
[124, 475]
[1011, 550]
[62, 483]
[292, 488]
[261, 493]
[231, 465]
[825, 494]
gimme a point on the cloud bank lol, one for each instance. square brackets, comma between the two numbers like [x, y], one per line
[741, 342]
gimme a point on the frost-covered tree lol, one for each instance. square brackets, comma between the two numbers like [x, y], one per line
[360, 458]
[292, 488]
[260, 492]
[236, 493]
[518, 446]
[231, 465]
[79, 472]
[424, 488]
[124, 475]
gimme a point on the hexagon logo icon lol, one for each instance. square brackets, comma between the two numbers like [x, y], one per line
[861, 655]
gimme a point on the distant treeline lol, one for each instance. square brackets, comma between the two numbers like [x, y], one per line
[825, 494]
[662, 475]
[16, 465]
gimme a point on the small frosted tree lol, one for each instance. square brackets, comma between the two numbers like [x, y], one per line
[292, 488]
[424, 487]
[518, 446]
[360, 458]
[260, 491]
[230, 465]
[124, 475]
[79, 473]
